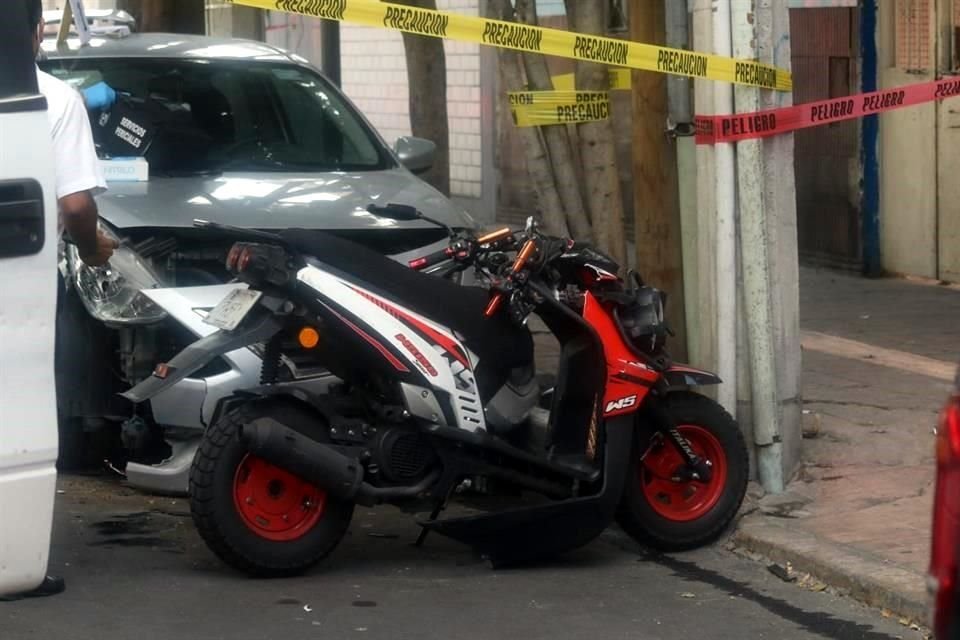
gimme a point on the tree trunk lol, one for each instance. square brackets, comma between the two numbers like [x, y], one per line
[598, 153]
[427, 77]
[557, 138]
[538, 161]
[170, 16]
[656, 192]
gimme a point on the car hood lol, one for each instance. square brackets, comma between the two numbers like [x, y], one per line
[276, 201]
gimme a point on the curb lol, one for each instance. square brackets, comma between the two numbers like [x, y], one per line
[864, 577]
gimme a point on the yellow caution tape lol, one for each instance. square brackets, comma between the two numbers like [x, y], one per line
[509, 35]
[541, 108]
[619, 81]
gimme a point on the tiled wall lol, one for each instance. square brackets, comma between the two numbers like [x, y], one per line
[550, 8]
[374, 75]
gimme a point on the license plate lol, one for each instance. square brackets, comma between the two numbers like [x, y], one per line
[231, 311]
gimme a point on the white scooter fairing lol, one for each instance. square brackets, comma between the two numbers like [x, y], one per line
[185, 409]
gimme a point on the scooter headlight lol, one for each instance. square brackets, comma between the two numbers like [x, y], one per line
[112, 292]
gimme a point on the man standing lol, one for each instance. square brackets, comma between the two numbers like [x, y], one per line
[78, 179]
[78, 172]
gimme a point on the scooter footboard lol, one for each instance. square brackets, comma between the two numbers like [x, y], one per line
[526, 534]
[259, 327]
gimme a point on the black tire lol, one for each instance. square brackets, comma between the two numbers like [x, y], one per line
[215, 513]
[642, 522]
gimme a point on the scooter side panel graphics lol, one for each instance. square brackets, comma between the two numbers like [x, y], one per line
[427, 328]
[445, 366]
[392, 359]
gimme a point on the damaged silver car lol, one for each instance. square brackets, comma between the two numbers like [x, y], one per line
[230, 131]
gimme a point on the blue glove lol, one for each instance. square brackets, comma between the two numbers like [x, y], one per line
[99, 96]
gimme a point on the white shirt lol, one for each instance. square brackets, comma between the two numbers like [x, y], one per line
[75, 156]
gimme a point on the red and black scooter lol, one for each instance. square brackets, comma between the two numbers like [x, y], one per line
[439, 400]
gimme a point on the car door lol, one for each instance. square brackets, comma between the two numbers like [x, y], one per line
[28, 256]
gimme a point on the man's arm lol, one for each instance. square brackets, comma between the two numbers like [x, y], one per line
[78, 211]
[78, 178]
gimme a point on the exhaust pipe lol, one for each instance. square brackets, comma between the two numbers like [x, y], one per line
[341, 476]
[316, 463]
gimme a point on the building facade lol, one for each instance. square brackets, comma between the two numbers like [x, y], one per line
[919, 147]
[879, 194]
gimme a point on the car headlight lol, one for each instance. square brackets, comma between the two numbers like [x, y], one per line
[112, 292]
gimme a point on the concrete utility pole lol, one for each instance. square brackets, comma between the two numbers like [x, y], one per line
[726, 207]
[772, 26]
[704, 306]
[757, 176]
[656, 209]
[680, 115]
[755, 266]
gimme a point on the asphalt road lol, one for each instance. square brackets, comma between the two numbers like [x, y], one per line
[136, 570]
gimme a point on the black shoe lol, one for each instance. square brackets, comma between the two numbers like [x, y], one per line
[51, 586]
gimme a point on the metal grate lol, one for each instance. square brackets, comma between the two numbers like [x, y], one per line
[914, 22]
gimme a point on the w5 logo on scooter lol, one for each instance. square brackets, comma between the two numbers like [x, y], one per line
[621, 404]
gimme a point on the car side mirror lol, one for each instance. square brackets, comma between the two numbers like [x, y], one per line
[416, 154]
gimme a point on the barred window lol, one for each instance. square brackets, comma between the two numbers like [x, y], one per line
[913, 28]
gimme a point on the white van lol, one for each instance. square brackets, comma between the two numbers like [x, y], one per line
[28, 256]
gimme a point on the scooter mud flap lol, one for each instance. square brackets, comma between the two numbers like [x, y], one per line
[259, 327]
[527, 534]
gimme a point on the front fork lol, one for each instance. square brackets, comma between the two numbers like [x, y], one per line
[694, 467]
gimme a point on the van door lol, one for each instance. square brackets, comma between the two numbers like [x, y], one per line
[28, 258]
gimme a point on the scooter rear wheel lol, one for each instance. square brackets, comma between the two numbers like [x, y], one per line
[255, 516]
[670, 514]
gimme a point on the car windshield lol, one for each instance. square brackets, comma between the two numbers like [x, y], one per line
[210, 116]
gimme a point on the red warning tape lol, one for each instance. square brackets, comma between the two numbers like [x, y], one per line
[762, 124]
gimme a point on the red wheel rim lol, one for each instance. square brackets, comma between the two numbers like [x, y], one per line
[274, 503]
[686, 500]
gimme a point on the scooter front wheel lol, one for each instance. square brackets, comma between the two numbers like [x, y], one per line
[661, 505]
[255, 516]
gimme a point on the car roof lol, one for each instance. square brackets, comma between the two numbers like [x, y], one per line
[168, 45]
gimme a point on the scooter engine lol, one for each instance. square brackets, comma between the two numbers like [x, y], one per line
[404, 456]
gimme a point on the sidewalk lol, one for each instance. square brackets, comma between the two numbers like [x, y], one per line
[878, 359]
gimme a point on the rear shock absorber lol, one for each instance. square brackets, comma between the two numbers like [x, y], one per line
[270, 369]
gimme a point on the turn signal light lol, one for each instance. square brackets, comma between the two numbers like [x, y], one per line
[243, 260]
[308, 337]
[239, 257]
[233, 256]
[259, 264]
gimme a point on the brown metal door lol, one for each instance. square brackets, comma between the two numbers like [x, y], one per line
[825, 46]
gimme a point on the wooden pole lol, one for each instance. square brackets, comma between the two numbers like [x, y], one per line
[656, 196]
[65, 21]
